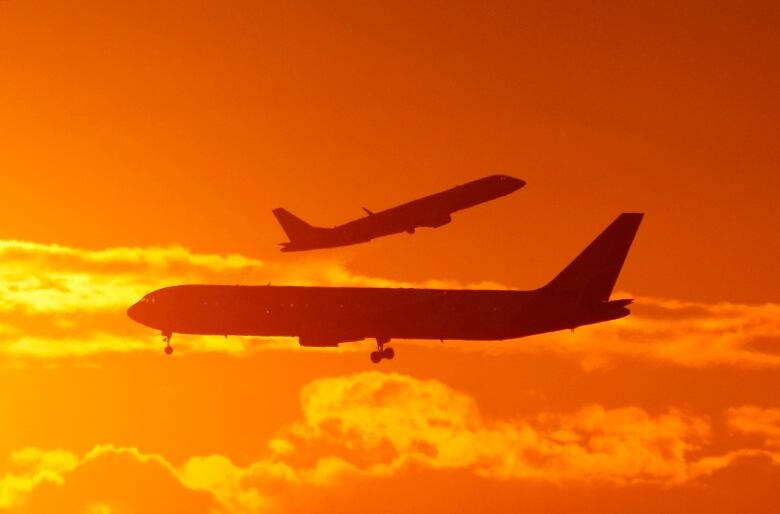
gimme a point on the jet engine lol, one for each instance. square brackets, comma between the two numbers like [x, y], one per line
[326, 339]
[436, 220]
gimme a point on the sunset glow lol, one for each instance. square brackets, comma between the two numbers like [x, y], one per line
[145, 144]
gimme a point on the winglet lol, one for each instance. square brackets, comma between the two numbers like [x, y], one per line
[370, 213]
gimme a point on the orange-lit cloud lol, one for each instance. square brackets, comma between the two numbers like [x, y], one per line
[377, 425]
[106, 480]
[392, 420]
[38, 467]
[747, 420]
[57, 300]
[669, 331]
[754, 420]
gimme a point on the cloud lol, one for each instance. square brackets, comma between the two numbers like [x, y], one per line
[672, 332]
[53, 279]
[107, 479]
[755, 420]
[378, 425]
[39, 467]
[40, 278]
[382, 422]
[63, 301]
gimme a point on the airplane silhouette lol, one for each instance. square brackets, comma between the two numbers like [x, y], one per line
[328, 316]
[430, 211]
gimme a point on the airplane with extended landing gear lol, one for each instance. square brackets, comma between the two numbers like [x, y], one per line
[328, 316]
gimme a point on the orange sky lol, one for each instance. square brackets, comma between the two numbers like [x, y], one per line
[144, 145]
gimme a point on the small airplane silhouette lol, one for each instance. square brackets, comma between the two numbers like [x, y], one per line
[430, 211]
[328, 316]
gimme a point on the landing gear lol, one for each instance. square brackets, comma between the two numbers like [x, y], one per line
[166, 337]
[381, 352]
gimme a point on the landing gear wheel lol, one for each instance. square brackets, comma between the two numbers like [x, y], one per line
[381, 352]
[166, 337]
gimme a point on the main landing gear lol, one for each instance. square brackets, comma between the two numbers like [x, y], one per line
[382, 352]
[166, 337]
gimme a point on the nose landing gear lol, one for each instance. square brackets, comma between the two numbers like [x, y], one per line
[382, 352]
[166, 337]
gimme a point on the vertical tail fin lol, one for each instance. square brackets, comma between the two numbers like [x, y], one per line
[594, 272]
[294, 227]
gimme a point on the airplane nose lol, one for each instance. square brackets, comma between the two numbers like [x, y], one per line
[132, 312]
[512, 183]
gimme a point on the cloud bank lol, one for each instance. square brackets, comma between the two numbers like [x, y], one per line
[376, 426]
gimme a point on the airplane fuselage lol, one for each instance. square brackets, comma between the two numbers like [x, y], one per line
[430, 211]
[326, 316]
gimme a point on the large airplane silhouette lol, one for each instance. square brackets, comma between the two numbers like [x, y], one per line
[430, 211]
[327, 316]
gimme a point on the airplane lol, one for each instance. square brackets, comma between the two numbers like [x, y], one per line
[327, 316]
[430, 211]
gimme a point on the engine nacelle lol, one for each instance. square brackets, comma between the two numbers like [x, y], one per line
[322, 340]
[437, 221]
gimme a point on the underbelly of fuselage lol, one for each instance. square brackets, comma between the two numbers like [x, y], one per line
[493, 325]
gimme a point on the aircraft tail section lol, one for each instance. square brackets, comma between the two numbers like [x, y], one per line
[293, 226]
[594, 272]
